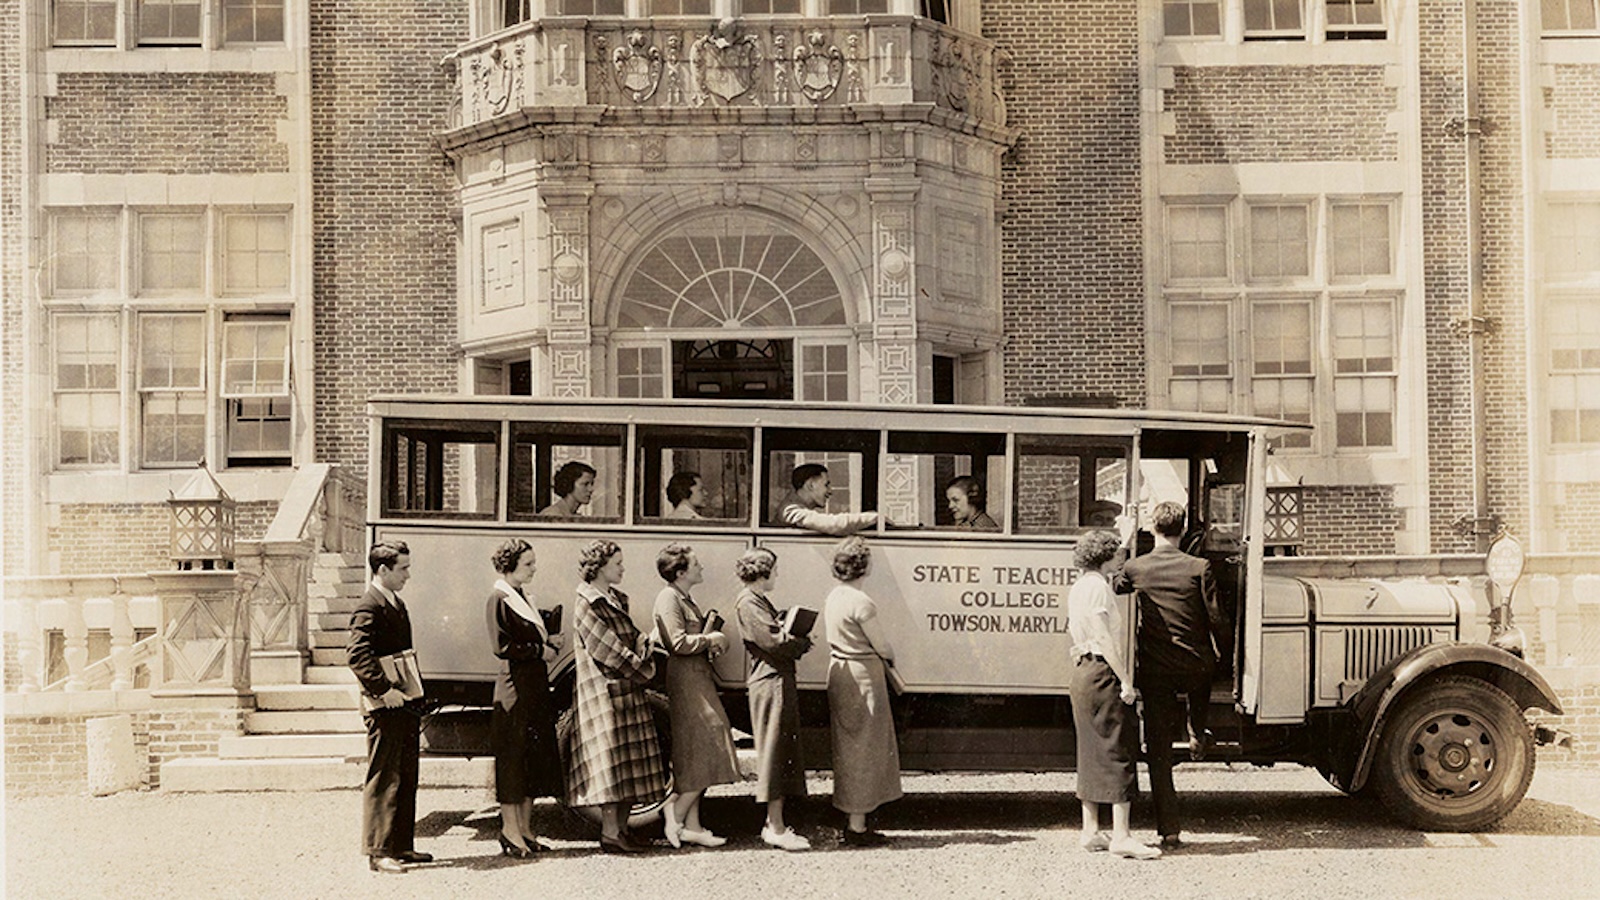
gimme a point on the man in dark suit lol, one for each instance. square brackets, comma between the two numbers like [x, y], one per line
[379, 627]
[1178, 617]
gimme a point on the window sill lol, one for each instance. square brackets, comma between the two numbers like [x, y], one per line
[92, 486]
[169, 59]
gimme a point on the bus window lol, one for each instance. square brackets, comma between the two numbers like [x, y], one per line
[691, 476]
[540, 456]
[922, 467]
[1065, 484]
[851, 458]
[441, 469]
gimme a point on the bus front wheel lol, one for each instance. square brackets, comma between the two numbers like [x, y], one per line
[643, 813]
[1455, 756]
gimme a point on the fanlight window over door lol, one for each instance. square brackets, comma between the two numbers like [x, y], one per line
[731, 270]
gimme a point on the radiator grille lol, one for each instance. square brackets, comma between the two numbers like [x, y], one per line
[1367, 649]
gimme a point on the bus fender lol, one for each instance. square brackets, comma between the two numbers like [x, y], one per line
[1371, 705]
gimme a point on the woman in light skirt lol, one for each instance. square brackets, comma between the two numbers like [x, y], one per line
[866, 755]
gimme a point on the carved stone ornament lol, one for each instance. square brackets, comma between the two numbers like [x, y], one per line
[725, 63]
[497, 78]
[954, 74]
[817, 69]
[637, 67]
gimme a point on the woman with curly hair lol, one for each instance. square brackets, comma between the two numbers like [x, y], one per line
[866, 756]
[522, 727]
[1102, 699]
[616, 759]
[702, 743]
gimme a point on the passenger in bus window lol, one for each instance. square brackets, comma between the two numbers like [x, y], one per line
[686, 494]
[774, 695]
[1178, 617]
[807, 510]
[573, 485]
[616, 758]
[702, 741]
[522, 727]
[866, 756]
[1102, 700]
[1102, 514]
[967, 500]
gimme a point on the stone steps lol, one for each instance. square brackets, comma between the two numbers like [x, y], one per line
[299, 697]
[339, 674]
[328, 656]
[294, 746]
[304, 721]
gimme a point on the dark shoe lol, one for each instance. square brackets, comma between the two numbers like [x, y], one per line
[538, 846]
[388, 865]
[619, 845]
[862, 839]
[512, 850]
[415, 856]
[1171, 842]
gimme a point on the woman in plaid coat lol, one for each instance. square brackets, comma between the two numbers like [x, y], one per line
[616, 759]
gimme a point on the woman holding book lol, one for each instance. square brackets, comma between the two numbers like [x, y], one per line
[522, 727]
[775, 642]
[616, 759]
[866, 756]
[702, 743]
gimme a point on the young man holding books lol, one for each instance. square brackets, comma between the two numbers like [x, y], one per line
[391, 706]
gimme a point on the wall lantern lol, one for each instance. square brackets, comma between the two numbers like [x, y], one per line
[202, 523]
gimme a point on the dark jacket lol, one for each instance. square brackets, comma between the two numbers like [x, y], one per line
[1178, 612]
[376, 629]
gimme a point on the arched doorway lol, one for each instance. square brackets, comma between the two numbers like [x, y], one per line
[732, 304]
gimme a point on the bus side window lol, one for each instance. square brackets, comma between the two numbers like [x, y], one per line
[441, 469]
[690, 476]
[922, 468]
[539, 451]
[1068, 484]
[851, 458]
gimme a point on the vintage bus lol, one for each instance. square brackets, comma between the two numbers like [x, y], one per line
[1399, 686]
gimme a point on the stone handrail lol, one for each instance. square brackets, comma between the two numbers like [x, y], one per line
[73, 604]
[759, 63]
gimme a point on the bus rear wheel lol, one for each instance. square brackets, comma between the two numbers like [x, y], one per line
[1455, 756]
[643, 813]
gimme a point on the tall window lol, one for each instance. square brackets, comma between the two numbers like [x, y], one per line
[1572, 321]
[641, 371]
[85, 22]
[1278, 341]
[825, 372]
[182, 360]
[1277, 20]
[1355, 19]
[170, 23]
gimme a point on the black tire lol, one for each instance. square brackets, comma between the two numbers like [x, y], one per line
[1456, 755]
[642, 814]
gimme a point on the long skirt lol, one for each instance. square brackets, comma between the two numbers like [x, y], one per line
[1108, 735]
[775, 724]
[866, 756]
[702, 743]
[522, 734]
[615, 755]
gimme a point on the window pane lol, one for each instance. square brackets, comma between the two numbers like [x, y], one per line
[824, 372]
[169, 21]
[856, 7]
[640, 372]
[1192, 18]
[1279, 242]
[171, 253]
[174, 428]
[84, 255]
[695, 475]
[1271, 15]
[1574, 241]
[87, 428]
[259, 431]
[253, 21]
[255, 253]
[540, 489]
[1197, 241]
[1359, 234]
[85, 21]
[591, 7]
[171, 351]
[255, 358]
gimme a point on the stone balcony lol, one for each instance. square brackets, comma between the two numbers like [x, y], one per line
[754, 69]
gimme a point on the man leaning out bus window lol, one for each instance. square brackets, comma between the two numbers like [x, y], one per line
[808, 509]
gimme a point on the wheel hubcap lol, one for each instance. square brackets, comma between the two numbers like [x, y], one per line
[1452, 755]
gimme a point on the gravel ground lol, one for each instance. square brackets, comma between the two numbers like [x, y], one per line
[1252, 833]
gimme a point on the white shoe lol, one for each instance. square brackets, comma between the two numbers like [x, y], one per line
[786, 839]
[701, 838]
[1128, 848]
[1096, 842]
[673, 829]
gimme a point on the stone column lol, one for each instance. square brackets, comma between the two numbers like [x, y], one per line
[278, 646]
[894, 326]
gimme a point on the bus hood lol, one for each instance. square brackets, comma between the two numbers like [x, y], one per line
[1369, 602]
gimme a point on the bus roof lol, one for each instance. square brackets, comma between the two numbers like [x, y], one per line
[789, 414]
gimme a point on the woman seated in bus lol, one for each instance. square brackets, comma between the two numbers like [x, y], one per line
[702, 742]
[807, 510]
[866, 756]
[773, 694]
[522, 727]
[1102, 699]
[616, 759]
[686, 494]
[573, 485]
[967, 500]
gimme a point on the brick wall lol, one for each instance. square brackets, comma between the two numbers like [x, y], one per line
[1280, 114]
[1072, 242]
[1573, 105]
[95, 538]
[11, 281]
[1581, 706]
[1350, 520]
[385, 254]
[47, 754]
[189, 123]
[1577, 518]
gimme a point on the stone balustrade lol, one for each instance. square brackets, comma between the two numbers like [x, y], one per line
[73, 605]
[755, 63]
